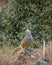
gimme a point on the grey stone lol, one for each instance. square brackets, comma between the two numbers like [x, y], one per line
[42, 62]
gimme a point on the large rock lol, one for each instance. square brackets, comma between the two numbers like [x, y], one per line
[42, 62]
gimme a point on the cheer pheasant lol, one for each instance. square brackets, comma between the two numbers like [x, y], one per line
[25, 43]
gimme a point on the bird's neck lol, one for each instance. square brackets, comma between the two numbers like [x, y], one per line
[28, 34]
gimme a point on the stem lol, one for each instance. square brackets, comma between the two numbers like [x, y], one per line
[50, 53]
[43, 49]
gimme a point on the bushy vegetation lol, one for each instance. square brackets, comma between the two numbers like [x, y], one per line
[17, 15]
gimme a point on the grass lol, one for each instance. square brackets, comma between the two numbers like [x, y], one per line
[6, 49]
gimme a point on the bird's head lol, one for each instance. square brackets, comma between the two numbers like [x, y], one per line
[28, 30]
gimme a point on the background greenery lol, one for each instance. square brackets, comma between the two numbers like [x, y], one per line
[17, 15]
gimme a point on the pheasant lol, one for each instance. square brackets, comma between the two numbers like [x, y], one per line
[25, 43]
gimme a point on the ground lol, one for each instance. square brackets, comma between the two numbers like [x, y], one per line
[26, 59]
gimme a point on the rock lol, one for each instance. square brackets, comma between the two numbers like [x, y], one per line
[42, 62]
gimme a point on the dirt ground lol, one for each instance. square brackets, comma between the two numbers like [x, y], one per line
[26, 59]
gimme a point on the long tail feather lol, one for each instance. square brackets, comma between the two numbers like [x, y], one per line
[18, 50]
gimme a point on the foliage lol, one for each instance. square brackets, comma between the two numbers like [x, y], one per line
[17, 15]
[6, 49]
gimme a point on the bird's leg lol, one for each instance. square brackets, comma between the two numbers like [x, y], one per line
[29, 51]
